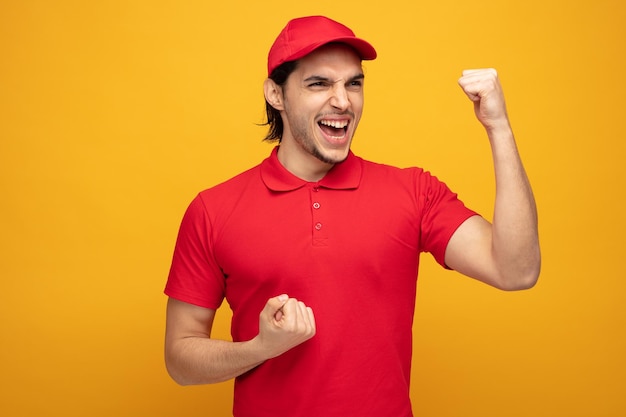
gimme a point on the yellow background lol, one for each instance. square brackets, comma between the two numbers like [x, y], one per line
[114, 114]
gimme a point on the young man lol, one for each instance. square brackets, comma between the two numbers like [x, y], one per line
[317, 250]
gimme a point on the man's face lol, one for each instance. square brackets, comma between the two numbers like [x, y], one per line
[323, 103]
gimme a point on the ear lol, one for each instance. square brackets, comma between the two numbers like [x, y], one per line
[273, 94]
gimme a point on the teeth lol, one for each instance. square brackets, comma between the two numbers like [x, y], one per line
[337, 124]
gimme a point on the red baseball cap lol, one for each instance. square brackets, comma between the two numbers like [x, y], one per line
[303, 35]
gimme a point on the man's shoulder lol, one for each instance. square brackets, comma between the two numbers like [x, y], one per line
[392, 178]
[235, 183]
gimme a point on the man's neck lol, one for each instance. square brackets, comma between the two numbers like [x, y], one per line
[302, 164]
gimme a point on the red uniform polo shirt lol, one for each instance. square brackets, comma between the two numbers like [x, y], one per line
[348, 246]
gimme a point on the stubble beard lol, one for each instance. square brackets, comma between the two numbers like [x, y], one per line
[306, 140]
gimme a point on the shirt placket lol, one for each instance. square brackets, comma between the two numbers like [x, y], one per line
[318, 210]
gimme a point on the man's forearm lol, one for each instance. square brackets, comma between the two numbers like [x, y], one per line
[515, 242]
[199, 360]
[193, 357]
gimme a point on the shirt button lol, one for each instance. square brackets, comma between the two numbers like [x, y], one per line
[318, 226]
[316, 205]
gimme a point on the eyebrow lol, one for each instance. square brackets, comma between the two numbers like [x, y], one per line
[328, 80]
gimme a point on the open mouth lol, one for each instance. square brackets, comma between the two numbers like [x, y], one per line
[334, 129]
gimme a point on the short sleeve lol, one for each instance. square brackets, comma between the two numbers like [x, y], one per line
[194, 275]
[442, 214]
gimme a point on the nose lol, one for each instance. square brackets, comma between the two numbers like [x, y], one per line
[339, 98]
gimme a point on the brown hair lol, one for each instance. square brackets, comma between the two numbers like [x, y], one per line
[274, 120]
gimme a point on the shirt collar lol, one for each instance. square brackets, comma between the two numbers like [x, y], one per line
[345, 175]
